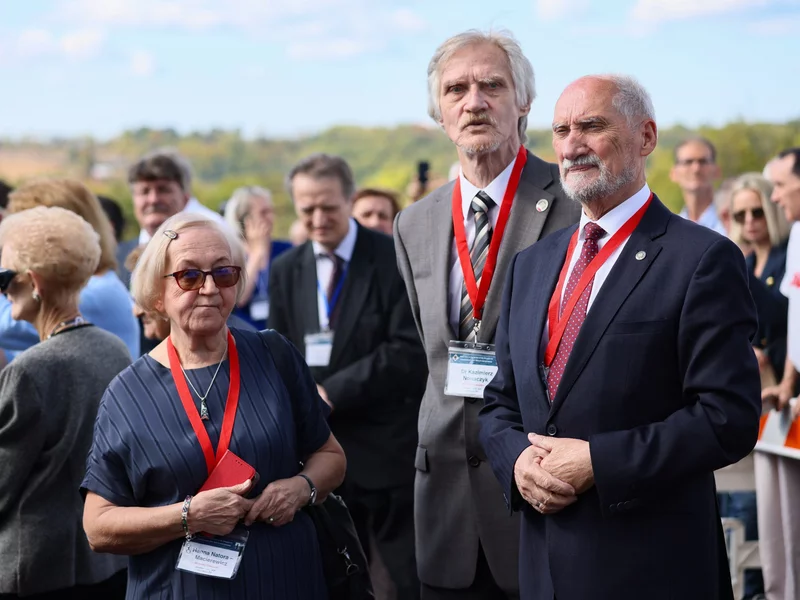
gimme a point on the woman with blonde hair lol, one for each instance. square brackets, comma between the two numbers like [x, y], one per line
[251, 213]
[760, 226]
[104, 300]
[49, 397]
[208, 405]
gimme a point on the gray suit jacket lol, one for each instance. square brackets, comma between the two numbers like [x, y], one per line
[458, 501]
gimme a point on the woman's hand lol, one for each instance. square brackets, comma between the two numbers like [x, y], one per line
[219, 511]
[279, 502]
[778, 395]
[257, 234]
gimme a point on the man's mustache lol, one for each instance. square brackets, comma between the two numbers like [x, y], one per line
[478, 119]
[585, 160]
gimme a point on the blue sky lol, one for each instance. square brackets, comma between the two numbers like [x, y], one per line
[284, 68]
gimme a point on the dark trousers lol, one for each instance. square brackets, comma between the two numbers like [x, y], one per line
[483, 586]
[389, 515]
[112, 588]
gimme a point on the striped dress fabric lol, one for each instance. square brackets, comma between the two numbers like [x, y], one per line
[146, 454]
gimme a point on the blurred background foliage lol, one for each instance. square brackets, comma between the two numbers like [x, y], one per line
[384, 157]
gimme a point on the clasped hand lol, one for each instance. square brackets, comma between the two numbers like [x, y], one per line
[552, 472]
[218, 511]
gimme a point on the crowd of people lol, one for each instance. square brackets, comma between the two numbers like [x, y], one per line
[521, 385]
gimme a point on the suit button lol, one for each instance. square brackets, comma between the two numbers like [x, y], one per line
[620, 506]
[552, 429]
[628, 504]
[474, 461]
[612, 508]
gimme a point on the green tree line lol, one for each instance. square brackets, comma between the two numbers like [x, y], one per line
[385, 157]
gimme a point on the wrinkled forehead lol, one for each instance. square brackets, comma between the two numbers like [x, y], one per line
[476, 60]
[198, 247]
[584, 100]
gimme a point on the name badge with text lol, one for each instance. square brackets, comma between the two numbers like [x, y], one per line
[318, 349]
[470, 368]
[213, 556]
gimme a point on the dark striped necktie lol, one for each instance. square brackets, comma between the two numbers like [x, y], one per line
[481, 204]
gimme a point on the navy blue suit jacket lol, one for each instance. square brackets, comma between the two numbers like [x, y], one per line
[662, 382]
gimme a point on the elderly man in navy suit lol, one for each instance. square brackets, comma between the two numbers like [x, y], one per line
[626, 375]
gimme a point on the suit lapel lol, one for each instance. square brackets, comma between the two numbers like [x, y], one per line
[354, 293]
[619, 284]
[524, 227]
[305, 307]
[440, 232]
[543, 282]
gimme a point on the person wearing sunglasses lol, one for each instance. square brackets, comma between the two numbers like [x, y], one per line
[49, 397]
[759, 225]
[206, 404]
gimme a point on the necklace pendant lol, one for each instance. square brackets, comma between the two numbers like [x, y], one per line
[203, 411]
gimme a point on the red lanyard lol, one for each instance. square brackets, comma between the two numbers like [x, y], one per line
[231, 404]
[477, 295]
[557, 326]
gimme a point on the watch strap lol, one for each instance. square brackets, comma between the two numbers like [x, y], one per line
[311, 485]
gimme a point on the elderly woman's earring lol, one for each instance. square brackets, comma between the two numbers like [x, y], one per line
[35, 295]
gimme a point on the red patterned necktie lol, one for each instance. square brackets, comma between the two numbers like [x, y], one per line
[592, 233]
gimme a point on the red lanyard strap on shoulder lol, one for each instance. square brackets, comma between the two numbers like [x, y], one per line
[231, 404]
[559, 323]
[477, 295]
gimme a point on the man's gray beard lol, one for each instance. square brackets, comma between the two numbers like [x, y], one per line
[479, 149]
[605, 185]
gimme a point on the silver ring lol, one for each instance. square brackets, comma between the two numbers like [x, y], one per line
[270, 519]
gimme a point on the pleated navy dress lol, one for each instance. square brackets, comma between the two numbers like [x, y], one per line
[145, 453]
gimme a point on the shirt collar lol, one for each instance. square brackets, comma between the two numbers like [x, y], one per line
[345, 248]
[613, 220]
[496, 189]
[708, 218]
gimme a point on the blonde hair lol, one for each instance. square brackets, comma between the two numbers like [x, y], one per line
[73, 196]
[777, 225]
[240, 205]
[147, 279]
[54, 243]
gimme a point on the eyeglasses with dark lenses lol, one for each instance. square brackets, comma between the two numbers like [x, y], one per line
[194, 279]
[6, 277]
[756, 213]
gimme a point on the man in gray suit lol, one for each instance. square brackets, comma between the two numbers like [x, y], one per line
[453, 249]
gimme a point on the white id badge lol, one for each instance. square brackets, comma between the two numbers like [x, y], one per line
[259, 309]
[318, 349]
[213, 556]
[470, 368]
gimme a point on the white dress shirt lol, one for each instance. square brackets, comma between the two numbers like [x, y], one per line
[325, 268]
[495, 190]
[611, 222]
[708, 219]
[192, 206]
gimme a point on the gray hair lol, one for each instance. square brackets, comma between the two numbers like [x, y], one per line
[320, 166]
[147, 279]
[631, 100]
[521, 70]
[239, 205]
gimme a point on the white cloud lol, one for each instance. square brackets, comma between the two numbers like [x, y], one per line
[142, 63]
[82, 44]
[33, 43]
[674, 10]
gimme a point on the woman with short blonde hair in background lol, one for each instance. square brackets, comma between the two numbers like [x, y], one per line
[104, 300]
[251, 213]
[48, 402]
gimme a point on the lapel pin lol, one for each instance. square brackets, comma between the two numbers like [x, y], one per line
[640, 255]
[542, 205]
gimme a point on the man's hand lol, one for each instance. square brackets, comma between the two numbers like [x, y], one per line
[567, 460]
[324, 395]
[539, 488]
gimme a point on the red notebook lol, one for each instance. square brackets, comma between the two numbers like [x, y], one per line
[230, 470]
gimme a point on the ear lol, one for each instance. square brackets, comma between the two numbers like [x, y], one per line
[649, 137]
[37, 282]
[524, 110]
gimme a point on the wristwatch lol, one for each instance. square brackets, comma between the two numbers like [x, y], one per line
[313, 497]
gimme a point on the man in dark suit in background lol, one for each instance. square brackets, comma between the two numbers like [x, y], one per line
[480, 89]
[340, 299]
[626, 374]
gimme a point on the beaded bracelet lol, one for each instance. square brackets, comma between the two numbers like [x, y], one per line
[185, 517]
